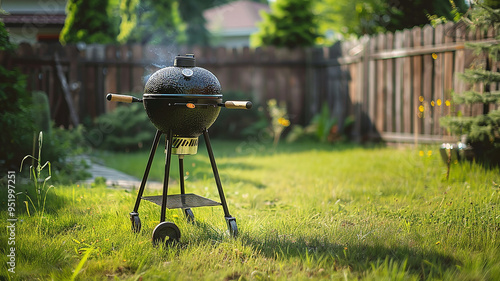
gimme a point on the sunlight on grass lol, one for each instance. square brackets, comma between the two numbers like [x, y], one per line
[303, 211]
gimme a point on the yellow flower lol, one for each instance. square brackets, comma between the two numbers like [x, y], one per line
[438, 102]
[421, 108]
[432, 103]
[434, 56]
[447, 102]
[421, 153]
[421, 99]
[284, 122]
[429, 153]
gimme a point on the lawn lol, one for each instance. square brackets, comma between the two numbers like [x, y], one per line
[304, 211]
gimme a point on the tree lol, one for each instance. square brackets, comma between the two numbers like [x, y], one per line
[191, 12]
[360, 17]
[291, 24]
[88, 21]
[494, 4]
[483, 131]
[407, 14]
[151, 22]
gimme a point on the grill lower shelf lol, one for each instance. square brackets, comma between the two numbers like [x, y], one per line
[178, 201]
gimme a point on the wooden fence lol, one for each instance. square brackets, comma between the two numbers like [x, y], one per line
[394, 86]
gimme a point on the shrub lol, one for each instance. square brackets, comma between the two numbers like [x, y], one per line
[482, 131]
[237, 124]
[127, 128]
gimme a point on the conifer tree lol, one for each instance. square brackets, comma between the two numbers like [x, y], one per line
[88, 21]
[291, 24]
[482, 131]
[151, 22]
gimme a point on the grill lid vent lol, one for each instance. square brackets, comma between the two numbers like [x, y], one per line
[185, 61]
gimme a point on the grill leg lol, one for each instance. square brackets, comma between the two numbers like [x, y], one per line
[146, 172]
[216, 174]
[187, 211]
[181, 173]
[168, 156]
[230, 221]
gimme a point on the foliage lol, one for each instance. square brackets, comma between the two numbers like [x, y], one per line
[323, 128]
[15, 104]
[291, 24]
[305, 211]
[279, 118]
[39, 182]
[235, 124]
[63, 147]
[345, 18]
[483, 131]
[409, 14]
[454, 15]
[128, 128]
[495, 4]
[88, 21]
[5, 44]
[191, 12]
[151, 22]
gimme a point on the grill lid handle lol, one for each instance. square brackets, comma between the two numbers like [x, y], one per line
[185, 61]
[237, 104]
[122, 98]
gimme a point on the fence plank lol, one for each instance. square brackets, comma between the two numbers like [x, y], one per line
[137, 69]
[380, 97]
[427, 85]
[438, 79]
[372, 83]
[389, 85]
[398, 91]
[448, 74]
[110, 78]
[124, 72]
[407, 85]
[417, 84]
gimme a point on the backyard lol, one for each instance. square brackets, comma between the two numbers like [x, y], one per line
[304, 211]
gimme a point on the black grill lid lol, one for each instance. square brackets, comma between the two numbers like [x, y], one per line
[183, 79]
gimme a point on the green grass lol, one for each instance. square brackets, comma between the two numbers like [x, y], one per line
[304, 211]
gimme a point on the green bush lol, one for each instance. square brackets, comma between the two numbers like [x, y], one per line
[17, 138]
[238, 124]
[482, 131]
[323, 128]
[127, 128]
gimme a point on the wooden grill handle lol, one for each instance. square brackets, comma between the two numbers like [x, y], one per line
[122, 98]
[238, 104]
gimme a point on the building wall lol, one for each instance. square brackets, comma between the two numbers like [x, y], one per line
[34, 20]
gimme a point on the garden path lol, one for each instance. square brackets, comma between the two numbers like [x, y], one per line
[115, 178]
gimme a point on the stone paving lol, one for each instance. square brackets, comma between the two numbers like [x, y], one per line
[116, 178]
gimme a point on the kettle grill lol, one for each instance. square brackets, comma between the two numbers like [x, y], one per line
[182, 101]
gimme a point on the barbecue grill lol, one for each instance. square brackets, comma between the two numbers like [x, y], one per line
[182, 101]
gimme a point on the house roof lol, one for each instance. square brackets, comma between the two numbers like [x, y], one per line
[234, 16]
[35, 19]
